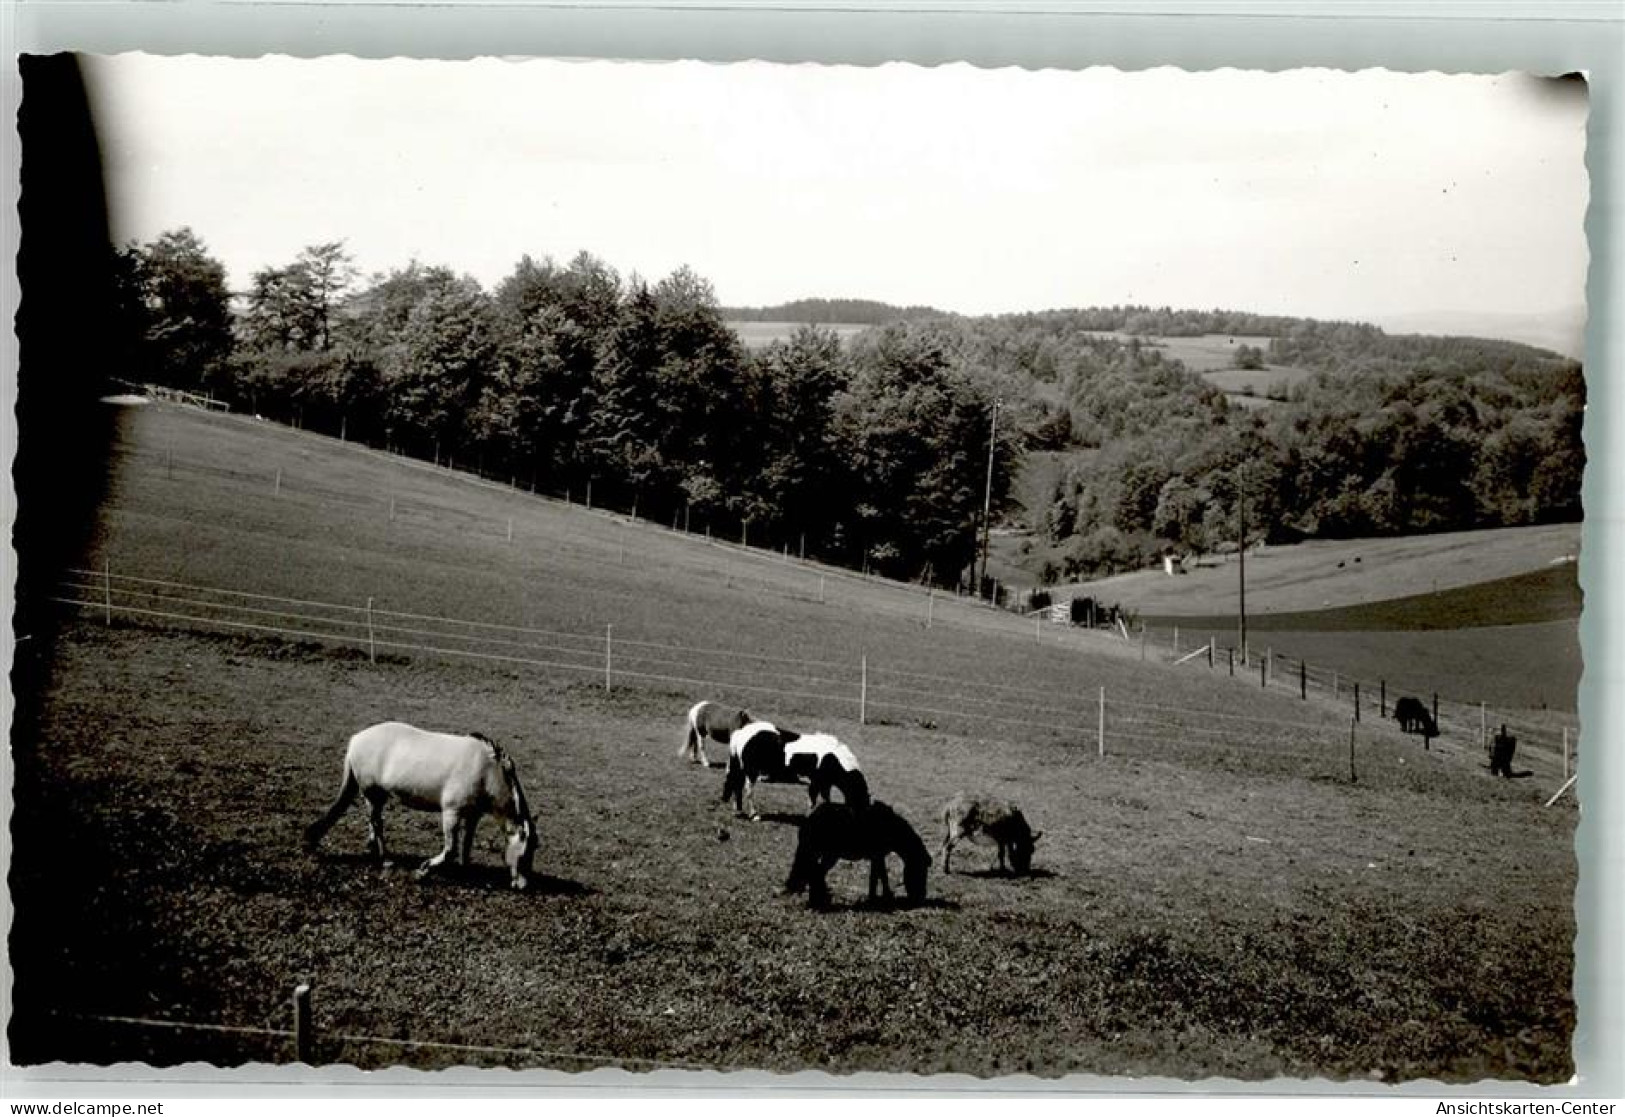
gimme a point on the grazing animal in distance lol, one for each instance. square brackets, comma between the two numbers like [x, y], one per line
[464, 777]
[762, 752]
[983, 818]
[1413, 717]
[840, 832]
[710, 721]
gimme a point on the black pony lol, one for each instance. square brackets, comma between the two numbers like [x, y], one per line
[838, 832]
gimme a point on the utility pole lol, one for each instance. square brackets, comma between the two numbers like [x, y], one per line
[987, 496]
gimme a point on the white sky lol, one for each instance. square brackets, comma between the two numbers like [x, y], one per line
[1309, 192]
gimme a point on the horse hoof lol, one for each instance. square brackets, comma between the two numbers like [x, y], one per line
[756, 818]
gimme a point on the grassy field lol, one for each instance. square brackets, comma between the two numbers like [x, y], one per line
[759, 335]
[1217, 894]
[1213, 357]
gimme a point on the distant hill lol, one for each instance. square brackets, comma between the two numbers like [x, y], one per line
[859, 312]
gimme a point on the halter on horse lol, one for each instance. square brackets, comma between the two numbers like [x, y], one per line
[837, 832]
[462, 777]
[761, 752]
[713, 721]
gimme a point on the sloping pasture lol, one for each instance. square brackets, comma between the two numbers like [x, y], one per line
[1229, 889]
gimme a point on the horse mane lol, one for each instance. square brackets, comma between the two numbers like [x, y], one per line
[510, 772]
[902, 837]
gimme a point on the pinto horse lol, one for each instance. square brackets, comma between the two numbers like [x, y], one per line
[840, 832]
[762, 752]
[462, 777]
[713, 721]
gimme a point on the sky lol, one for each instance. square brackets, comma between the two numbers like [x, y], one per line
[1371, 195]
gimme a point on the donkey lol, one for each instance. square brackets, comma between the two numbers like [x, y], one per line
[983, 818]
[462, 777]
[710, 721]
[840, 832]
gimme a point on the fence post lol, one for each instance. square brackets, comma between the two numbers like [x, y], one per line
[303, 1041]
[608, 629]
[1038, 625]
[372, 650]
[1383, 692]
[1269, 661]
[391, 509]
[1435, 707]
[510, 529]
[1142, 641]
[1337, 689]
[1230, 657]
[107, 603]
[1483, 726]
[803, 544]
[1176, 641]
[930, 606]
[820, 589]
[863, 691]
[1303, 680]
[1565, 752]
[589, 494]
[1356, 701]
[1210, 653]
[1102, 729]
[1354, 776]
[278, 491]
[1263, 676]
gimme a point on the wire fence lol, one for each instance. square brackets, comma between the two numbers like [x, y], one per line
[862, 689]
[303, 1041]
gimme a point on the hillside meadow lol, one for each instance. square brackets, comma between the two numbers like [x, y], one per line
[1229, 882]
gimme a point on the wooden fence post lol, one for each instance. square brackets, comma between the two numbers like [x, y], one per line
[1356, 701]
[1353, 775]
[1230, 657]
[1303, 680]
[930, 606]
[863, 691]
[107, 604]
[1263, 675]
[372, 650]
[608, 630]
[510, 529]
[1383, 697]
[820, 589]
[1176, 641]
[1102, 730]
[303, 1041]
[1142, 641]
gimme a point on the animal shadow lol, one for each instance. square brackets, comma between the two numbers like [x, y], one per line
[996, 873]
[496, 878]
[882, 906]
[783, 818]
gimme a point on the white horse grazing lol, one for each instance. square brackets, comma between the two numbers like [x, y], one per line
[462, 777]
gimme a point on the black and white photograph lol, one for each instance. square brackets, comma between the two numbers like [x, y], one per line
[567, 564]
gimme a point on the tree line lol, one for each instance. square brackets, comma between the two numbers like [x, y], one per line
[568, 375]
[873, 452]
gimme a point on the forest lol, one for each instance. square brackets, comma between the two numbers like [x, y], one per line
[873, 453]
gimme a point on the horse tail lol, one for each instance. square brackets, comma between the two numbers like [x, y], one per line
[348, 790]
[691, 742]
